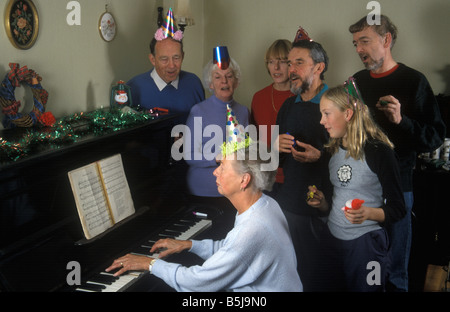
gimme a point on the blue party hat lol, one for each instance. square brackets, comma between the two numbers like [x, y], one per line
[221, 57]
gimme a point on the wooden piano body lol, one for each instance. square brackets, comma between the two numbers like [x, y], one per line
[40, 231]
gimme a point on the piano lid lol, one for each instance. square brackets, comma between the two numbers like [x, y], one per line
[35, 194]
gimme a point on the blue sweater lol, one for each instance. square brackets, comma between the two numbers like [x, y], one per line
[201, 155]
[256, 255]
[145, 93]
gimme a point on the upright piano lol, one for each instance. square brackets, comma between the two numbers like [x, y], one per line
[40, 230]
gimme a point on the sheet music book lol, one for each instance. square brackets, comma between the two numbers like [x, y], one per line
[102, 195]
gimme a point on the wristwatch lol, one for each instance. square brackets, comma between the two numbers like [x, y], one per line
[151, 265]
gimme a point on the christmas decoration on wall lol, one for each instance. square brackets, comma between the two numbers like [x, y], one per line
[10, 106]
[107, 26]
[21, 23]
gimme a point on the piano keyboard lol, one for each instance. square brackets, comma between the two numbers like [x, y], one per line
[105, 282]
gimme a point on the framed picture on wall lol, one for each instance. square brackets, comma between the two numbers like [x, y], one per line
[21, 23]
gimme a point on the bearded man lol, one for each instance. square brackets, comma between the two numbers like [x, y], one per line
[300, 145]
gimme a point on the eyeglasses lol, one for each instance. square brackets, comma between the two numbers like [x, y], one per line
[277, 62]
[175, 59]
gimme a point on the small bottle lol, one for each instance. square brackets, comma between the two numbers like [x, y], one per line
[121, 96]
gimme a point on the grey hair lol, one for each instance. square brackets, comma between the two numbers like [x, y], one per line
[262, 180]
[211, 67]
[317, 53]
[385, 26]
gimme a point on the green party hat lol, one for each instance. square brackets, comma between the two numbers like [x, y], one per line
[352, 89]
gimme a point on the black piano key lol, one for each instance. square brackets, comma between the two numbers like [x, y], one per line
[103, 279]
[142, 250]
[172, 232]
[178, 228]
[154, 238]
[92, 287]
[167, 235]
[187, 221]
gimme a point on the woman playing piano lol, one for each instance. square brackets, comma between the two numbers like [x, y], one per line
[256, 255]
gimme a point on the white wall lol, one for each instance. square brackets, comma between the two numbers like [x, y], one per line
[79, 68]
[248, 27]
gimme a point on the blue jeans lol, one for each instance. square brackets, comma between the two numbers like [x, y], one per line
[400, 238]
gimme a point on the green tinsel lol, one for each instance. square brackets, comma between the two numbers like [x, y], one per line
[68, 130]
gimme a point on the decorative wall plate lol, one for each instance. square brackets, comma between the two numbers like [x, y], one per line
[21, 23]
[107, 26]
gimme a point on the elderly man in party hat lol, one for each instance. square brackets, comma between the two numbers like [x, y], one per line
[167, 86]
[300, 143]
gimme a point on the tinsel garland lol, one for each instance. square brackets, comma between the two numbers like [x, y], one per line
[68, 130]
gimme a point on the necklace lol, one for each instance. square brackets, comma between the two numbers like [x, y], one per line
[273, 101]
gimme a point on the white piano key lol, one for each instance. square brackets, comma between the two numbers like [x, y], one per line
[84, 290]
[151, 255]
[122, 281]
[126, 280]
[200, 226]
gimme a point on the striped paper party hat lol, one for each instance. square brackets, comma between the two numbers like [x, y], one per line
[167, 29]
[236, 138]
